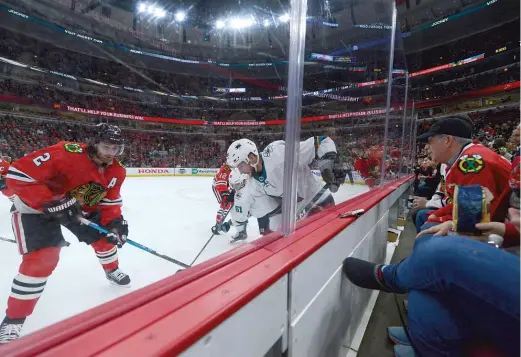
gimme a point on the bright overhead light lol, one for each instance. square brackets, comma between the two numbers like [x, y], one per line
[284, 18]
[159, 12]
[266, 23]
[241, 23]
[219, 24]
[180, 16]
[151, 9]
[142, 7]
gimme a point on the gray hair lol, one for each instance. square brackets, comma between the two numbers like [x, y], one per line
[459, 140]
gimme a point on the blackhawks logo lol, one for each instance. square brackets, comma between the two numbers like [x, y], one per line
[471, 164]
[89, 194]
[73, 147]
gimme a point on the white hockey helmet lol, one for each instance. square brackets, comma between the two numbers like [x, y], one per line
[239, 151]
[237, 180]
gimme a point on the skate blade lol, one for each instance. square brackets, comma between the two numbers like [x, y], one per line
[128, 286]
[238, 241]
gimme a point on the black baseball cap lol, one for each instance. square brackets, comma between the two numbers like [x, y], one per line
[455, 126]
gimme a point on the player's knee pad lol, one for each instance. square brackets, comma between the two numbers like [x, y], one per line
[102, 245]
[41, 262]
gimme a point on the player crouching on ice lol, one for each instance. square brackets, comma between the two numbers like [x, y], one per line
[52, 187]
[267, 168]
[250, 200]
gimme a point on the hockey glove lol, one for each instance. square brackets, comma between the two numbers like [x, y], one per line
[228, 197]
[332, 171]
[118, 232]
[221, 228]
[65, 210]
[2, 184]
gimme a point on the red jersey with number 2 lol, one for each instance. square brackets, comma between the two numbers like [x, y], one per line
[66, 169]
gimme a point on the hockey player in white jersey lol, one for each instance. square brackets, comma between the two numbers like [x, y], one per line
[267, 167]
[250, 200]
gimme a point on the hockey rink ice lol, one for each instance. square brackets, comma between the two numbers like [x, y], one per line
[172, 215]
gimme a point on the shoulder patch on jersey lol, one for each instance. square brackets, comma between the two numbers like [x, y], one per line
[267, 151]
[471, 164]
[227, 168]
[73, 147]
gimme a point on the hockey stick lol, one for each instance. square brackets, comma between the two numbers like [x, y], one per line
[305, 211]
[8, 240]
[131, 242]
[209, 240]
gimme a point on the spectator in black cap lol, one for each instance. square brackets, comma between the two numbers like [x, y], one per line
[468, 164]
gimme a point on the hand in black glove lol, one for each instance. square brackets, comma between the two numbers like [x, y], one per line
[221, 228]
[228, 197]
[118, 232]
[2, 184]
[332, 171]
[66, 210]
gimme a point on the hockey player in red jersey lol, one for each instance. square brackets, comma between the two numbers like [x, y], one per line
[52, 187]
[369, 167]
[223, 193]
[5, 163]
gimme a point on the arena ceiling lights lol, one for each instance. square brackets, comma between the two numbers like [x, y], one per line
[158, 12]
[152, 10]
[244, 22]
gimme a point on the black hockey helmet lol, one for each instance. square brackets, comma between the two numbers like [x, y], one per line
[109, 135]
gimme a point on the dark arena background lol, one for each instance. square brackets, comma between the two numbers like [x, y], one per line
[183, 80]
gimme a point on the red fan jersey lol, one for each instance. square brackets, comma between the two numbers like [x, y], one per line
[220, 181]
[66, 169]
[476, 165]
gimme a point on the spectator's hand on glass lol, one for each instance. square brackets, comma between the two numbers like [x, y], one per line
[419, 202]
[442, 229]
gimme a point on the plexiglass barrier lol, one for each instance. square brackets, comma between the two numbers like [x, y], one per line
[237, 120]
[358, 81]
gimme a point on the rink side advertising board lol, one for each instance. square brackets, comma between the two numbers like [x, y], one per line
[202, 172]
[168, 171]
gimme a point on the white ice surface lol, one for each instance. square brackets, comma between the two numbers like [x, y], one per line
[171, 215]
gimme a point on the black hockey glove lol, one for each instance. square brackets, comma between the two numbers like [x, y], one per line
[221, 228]
[66, 210]
[228, 197]
[332, 171]
[2, 184]
[118, 232]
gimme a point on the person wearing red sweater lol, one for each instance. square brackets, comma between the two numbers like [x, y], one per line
[467, 164]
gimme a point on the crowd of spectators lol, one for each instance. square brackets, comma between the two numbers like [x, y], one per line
[474, 82]
[146, 148]
[43, 88]
[486, 42]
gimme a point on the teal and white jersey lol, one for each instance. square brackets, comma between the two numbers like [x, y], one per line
[271, 177]
[252, 200]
